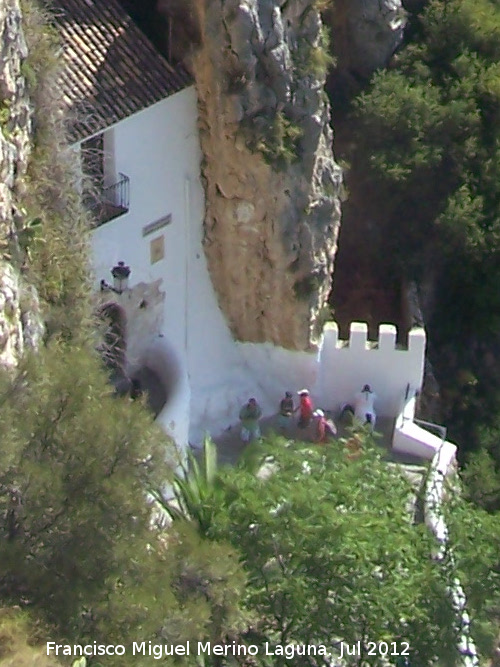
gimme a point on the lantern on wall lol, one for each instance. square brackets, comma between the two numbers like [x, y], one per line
[120, 274]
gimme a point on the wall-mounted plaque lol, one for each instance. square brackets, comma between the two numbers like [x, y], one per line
[157, 225]
[157, 249]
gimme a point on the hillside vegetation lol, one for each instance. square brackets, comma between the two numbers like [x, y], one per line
[301, 544]
[430, 129]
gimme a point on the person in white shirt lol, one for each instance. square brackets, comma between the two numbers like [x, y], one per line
[363, 406]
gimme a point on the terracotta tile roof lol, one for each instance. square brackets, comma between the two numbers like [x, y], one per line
[112, 69]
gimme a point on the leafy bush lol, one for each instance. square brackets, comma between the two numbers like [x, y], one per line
[21, 641]
[329, 550]
[275, 136]
[429, 133]
[75, 465]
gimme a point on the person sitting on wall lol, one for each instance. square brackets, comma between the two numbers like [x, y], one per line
[325, 428]
[286, 411]
[306, 409]
[250, 414]
[363, 406]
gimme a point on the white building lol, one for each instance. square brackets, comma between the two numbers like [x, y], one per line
[135, 125]
[134, 122]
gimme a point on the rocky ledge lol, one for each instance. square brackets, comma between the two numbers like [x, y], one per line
[272, 184]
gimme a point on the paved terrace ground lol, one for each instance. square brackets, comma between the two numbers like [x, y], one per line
[230, 447]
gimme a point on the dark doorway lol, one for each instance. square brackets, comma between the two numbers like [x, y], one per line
[147, 382]
[155, 25]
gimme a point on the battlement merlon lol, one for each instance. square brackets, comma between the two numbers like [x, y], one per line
[387, 337]
[347, 365]
[358, 337]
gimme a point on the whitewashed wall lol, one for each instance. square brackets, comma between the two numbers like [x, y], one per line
[277, 370]
[340, 368]
[348, 365]
[153, 149]
[219, 378]
[333, 374]
[158, 149]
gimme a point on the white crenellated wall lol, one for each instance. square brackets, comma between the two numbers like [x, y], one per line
[333, 374]
[345, 366]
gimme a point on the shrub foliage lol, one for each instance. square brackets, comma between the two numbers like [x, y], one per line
[431, 139]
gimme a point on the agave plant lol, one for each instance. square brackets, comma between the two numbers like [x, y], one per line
[192, 487]
[79, 662]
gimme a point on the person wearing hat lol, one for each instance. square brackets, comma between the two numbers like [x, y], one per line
[287, 409]
[250, 414]
[324, 427]
[363, 406]
[306, 409]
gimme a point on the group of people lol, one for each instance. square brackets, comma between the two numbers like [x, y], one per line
[362, 410]
[307, 414]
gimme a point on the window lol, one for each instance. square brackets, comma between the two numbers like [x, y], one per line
[105, 193]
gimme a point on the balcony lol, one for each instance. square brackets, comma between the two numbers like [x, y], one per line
[108, 203]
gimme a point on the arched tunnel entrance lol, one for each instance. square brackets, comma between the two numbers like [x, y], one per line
[145, 365]
[146, 381]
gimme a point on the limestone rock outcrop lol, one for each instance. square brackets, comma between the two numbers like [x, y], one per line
[15, 114]
[19, 324]
[272, 184]
[366, 33]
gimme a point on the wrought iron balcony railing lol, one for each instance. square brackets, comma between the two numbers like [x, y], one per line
[111, 202]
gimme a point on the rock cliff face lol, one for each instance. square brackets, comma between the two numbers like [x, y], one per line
[17, 325]
[365, 33]
[272, 185]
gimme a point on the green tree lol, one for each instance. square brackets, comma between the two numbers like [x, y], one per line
[429, 134]
[474, 548]
[481, 475]
[21, 641]
[77, 545]
[331, 553]
[74, 467]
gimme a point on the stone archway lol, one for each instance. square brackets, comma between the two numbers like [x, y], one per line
[129, 377]
[145, 380]
[161, 369]
[157, 372]
[113, 348]
[142, 363]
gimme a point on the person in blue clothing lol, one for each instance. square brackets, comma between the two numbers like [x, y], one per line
[287, 409]
[250, 414]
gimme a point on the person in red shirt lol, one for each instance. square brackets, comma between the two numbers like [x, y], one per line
[306, 409]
